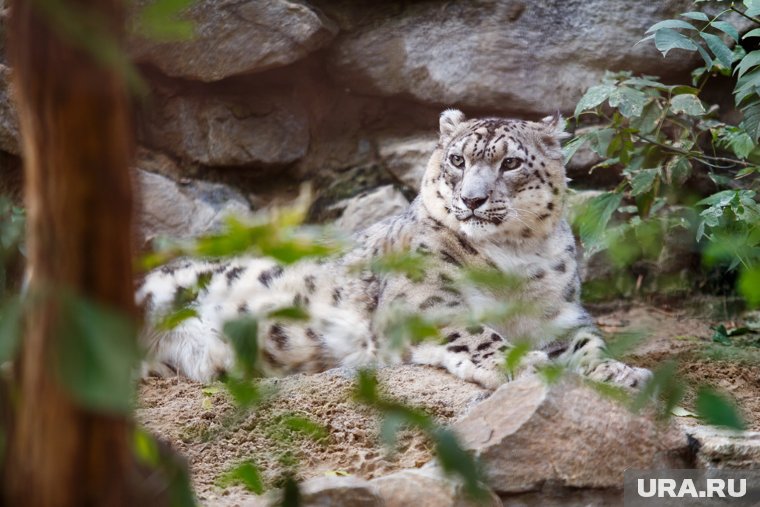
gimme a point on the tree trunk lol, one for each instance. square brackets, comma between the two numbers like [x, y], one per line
[77, 143]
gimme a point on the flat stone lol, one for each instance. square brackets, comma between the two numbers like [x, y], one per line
[427, 487]
[529, 433]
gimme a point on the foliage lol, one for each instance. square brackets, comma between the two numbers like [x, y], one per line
[665, 137]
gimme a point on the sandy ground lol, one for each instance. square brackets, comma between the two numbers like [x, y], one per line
[204, 425]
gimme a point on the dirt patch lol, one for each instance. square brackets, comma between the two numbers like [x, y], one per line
[205, 427]
[686, 339]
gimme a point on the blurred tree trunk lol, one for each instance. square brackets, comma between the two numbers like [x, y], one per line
[77, 143]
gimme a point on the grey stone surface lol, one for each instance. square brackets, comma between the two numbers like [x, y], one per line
[183, 210]
[267, 128]
[407, 157]
[529, 433]
[508, 55]
[426, 487]
[370, 207]
[724, 448]
[238, 36]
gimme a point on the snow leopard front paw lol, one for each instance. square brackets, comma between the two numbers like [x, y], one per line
[529, 364]
[620, 374]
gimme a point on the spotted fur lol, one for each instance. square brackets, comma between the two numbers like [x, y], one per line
[492, 197]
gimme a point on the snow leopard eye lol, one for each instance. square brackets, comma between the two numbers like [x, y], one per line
[511, 163]
[456, 161]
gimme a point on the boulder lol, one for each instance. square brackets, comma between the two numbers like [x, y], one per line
[370, 207]
[9, 129]
[238, 36]
[183, 209]
[507, 55]
[529, 433]
[407, 157]
[724, 448]
[338, 492]
[426, 487]
[259, 128]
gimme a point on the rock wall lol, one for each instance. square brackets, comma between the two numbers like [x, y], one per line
[346, 93]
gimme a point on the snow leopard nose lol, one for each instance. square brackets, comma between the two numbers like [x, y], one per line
[474, 202]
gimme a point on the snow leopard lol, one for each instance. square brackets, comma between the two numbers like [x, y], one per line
[492, 197]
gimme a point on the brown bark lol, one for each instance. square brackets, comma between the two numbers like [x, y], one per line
[77, 142]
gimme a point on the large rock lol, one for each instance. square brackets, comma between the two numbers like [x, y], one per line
[370, 207]
[9, 133]
[426, 487]
[723, 448]
[186, 209]
[407, 157]
[508, 55]
[529, 433]
[238, 36]
[260, 128]
[339, 492]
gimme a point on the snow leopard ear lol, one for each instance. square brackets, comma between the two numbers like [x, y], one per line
[449, 121]
[554, 127]
[551, 131]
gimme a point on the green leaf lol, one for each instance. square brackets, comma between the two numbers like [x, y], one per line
[643, 180]
[678, 170]
[246, 474]
[629, 101]
[454, 459]
[599, 140]
[648, 120]
[411, 264]
[670, 23]
[742, 145]
[724, 55]
[96, 354]
[243, 391]
[290, 313]
[515, 356]
[572, 146]
[752, 33]
[687, 104]
[668, 39]
[749, 285]
[593, 97]
[160, 21]
[717, 410]
[706, 57]
[753, 7]
[721, 335]
[243, 334]
[698, 16]
[751, 60]
[175, 318]
[751, 121]
[593, 219]
[727, 28]
[145, 448]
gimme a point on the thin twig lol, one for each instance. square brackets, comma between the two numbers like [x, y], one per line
[741, 13]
